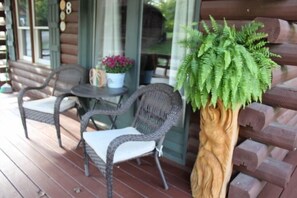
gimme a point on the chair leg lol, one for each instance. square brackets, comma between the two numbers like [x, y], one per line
[86, 160]
[161, 172]
[24, 124]
[86, 165]
[58, 134]
[58, 130]
[109, 175]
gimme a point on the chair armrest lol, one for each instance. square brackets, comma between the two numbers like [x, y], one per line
[114, 112]
[86, 117]
[59, 101]
[24, 90]
[44, 84]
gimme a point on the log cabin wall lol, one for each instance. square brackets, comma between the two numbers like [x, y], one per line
[263, 159]
[26, 74]
[69, 38]
[3, 72]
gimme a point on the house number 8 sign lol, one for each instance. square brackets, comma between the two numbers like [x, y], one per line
[68, 8]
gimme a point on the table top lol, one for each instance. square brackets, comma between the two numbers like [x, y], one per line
[90, 91]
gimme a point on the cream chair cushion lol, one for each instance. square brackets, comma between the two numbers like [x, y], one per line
[47, 105]
[99, 141]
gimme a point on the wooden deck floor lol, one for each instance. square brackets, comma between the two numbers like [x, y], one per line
[38, 167]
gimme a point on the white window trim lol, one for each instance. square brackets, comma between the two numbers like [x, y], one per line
[21, 46]
[37, 45]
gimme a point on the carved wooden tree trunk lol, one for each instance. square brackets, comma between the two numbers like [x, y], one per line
[213, 166]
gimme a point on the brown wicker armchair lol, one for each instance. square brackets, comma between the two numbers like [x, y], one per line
[47, 110]
[159, 108]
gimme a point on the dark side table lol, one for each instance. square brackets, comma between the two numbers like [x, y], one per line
[87, 92]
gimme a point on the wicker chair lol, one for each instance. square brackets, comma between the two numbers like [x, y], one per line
[47, 110]
[159, 108]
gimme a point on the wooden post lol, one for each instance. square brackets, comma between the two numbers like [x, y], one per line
[213, 166]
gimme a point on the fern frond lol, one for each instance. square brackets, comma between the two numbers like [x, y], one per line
[248, 59]
[205, 27]
[204, 97]
[226, 64]
[218, 75]
[214, 96]
[214, 25]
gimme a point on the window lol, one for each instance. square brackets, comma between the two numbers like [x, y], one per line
[33, 31]
[162, 29]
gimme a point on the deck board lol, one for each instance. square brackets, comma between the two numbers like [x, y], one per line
[40, 178]
[13, 179]
[38, 166]
[8, 190]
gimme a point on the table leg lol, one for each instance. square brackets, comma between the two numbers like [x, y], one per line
[113, 119]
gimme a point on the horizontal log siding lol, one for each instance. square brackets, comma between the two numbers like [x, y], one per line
[70, 49]
[288, 53]
[248, 10]
[25, 74]
[280, 31]
[69, 38]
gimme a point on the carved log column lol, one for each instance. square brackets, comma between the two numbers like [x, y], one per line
[213, 166]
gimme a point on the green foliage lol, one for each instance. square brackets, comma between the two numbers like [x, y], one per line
[41, 12]
[167, 7]
[226, 64]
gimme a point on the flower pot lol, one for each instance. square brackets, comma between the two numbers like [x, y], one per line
[115, 80]
[146, 77]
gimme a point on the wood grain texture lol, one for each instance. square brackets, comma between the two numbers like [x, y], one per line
[218, 136]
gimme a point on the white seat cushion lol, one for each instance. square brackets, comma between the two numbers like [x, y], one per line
[47, 105]
[99, 141]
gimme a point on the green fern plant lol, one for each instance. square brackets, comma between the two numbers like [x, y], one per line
[226, 64]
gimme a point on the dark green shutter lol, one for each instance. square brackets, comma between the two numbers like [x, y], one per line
[9, 30]
[85, 32]
[54, 32]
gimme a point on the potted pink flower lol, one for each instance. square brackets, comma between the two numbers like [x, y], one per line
[116, 68]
